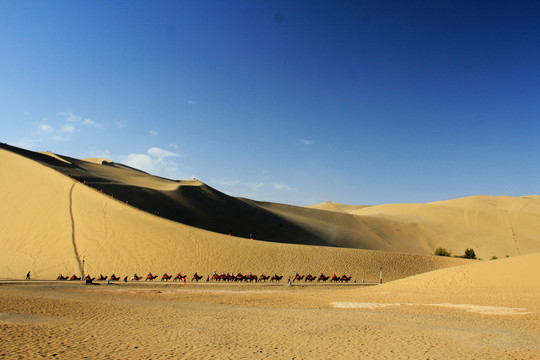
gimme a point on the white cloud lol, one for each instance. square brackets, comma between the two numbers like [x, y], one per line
[155, 161]
[139, 161]
[227, 182]
[160, 154]
[99, 153]
[305, 141]
[60, 128]
[251, 189]
[67, 128]
[72, 118]
[45, 128]
[92, 123]
[283, 187]
[256, 185]
[153, 133]
[69, 116]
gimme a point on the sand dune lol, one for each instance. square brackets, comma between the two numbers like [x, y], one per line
[510, 283]
[51, 220]
[334, 206]
[492, 226]
[515, 275]
[104, 210]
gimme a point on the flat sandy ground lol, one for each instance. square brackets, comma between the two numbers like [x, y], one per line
[67, 320]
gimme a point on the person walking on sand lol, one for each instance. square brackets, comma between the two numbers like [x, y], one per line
[28, 276]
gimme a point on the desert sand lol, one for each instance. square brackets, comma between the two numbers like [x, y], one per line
[69, 216]
[455, 313]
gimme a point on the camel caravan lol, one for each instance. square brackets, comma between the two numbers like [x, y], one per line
[215, 277]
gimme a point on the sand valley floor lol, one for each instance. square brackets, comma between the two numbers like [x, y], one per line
[255, 321]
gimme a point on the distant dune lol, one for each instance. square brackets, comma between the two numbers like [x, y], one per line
[334, 206]
[491, 225]
[57, 209]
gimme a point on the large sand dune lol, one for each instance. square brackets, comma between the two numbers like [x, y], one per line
[57, 210]
[51, 222]
[492, 226]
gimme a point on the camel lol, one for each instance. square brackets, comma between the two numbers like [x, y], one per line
[310, 278]
[166, 277]
[335, 278]
[179, 276]
[74, 277]
[276, 278]
[115, 278]
[297, 277]
[263, 278]
[250, 278]
[61, 277]
[345, 278]
[323, 278]
[150, 277]
[101, 277]
[196, 277]
[136, 278]
[89, 279]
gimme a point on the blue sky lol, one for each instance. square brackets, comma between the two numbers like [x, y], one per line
[365, 102]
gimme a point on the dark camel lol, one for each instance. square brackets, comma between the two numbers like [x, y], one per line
[166, 277]
[323, 278]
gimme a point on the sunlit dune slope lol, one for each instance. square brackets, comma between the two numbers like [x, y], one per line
[334, 206]
[189, 202]
[509, 282]
[509, 276]
[491, 225]
[51, 222]
[497, 226]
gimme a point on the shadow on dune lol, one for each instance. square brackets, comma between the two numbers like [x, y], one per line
[188, 202]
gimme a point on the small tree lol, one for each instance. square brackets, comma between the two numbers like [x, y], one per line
[441, 252]
[469, 254]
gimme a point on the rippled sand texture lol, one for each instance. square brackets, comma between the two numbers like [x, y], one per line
[67, 321]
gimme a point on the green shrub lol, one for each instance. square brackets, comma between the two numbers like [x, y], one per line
[469, 254]
[441, 252]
